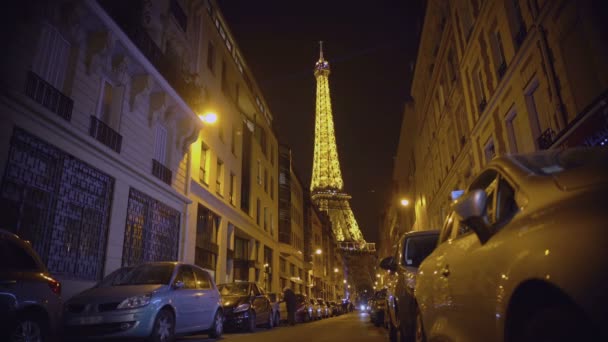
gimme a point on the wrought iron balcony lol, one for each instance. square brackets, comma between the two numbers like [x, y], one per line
[105, 134]
[161, 172]
[44, 93]
[545, 140]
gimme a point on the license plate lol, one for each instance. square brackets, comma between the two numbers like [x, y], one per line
[90, 320]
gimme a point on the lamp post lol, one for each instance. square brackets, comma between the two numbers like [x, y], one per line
[208, 117]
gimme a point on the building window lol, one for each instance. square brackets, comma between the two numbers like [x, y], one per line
[211, 56]
[271, 155]
[219, 181]
[516, 22]
[241, 248]
[452, 68]
[271, 225]
[151, 232]
[257, 211]
[51, 60]
[224, 78]
[271, 187]
[256, 255]
[265, 218]
[510, 125]
[267, 269]
[259, 173]
[499, 54]
[204, 164]
[231, 194]
[292, 270]
[479, 93]
[265, 181]
[489, 150]
[160, 144]
[207, 236]
[109, 106]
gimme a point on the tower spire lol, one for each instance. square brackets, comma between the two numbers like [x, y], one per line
[321, 50]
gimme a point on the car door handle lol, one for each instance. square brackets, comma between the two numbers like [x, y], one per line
[446, 271]
[198, 295]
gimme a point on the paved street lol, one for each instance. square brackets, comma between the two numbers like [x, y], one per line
[351, 327]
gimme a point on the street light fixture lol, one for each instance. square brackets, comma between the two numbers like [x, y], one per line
[405, 202]
[208, 118]
[318, 251]
[344, 281]
[336, 270]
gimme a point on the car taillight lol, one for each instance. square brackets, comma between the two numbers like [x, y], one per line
[54, 285]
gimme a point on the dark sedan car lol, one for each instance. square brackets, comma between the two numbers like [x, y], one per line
[30, 299]
[246, 306]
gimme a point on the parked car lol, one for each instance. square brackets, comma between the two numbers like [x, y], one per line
[335, 308]
[30, 298]
[378, 307]
[246, 306]
[411, 249]
[278, 307]
[156, 300]
[304, 310]
[324, 308]
[317, 310]
[523, 255]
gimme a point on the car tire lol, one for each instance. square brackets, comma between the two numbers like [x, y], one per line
[30, 327]
[557, 323]
[163, 329]
[251, 324]
[217, 328]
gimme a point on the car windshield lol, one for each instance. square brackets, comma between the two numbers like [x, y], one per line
[115, 277]
[148, 274]
[234, 289]
[554, 161]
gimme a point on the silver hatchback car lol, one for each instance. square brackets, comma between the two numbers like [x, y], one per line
[157, 300]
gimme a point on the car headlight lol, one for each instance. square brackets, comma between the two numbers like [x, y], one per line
[241, 308]
[135, 302]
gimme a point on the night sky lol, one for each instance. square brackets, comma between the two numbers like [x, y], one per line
[371, 47]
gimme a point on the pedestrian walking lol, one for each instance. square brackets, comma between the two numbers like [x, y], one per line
[290, 301]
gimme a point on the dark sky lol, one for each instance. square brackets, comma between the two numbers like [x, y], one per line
[370, 46]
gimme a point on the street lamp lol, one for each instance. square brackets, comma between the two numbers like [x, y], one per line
[336, 270]
[344, 281]
[405, 202]
[208, 118]
[318, 251]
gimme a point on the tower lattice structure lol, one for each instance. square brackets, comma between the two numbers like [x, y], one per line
[327, 186]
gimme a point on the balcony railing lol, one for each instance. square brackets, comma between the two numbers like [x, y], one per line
[44, 93]
[161, 172]
[128, 15]
[545, 140]
[105, 134]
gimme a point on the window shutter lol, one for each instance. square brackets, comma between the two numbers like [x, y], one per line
[51, 59]
[160, 148]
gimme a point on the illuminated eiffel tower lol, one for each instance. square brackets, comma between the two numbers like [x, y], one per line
[327, 187]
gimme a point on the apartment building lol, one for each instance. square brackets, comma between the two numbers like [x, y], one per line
[105, 161]
[495, 77]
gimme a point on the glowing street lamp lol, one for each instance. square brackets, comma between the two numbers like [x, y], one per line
[344, 281]
[208, 118]
[405, 202]
[336, 270]
[318, 251]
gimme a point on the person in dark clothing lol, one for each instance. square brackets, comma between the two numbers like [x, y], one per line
[290, 301]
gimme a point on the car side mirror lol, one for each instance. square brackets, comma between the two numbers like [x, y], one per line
[388, 264]
[471, 209]
[178, 285]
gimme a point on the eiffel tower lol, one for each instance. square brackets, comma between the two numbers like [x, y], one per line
[327, 187]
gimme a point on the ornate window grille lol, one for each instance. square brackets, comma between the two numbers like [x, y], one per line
[151, 232]
[59, 203]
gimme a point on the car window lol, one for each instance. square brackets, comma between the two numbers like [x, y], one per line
[203, 280]
[186, 275]
[506, 206]
[446, 231]
[418, 248]
[14, 258]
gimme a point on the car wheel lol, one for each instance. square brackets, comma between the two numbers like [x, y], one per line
[164, 327]
[557, 324]
[419, 328]
[29, 328]
[251, 324]
[217, 329]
